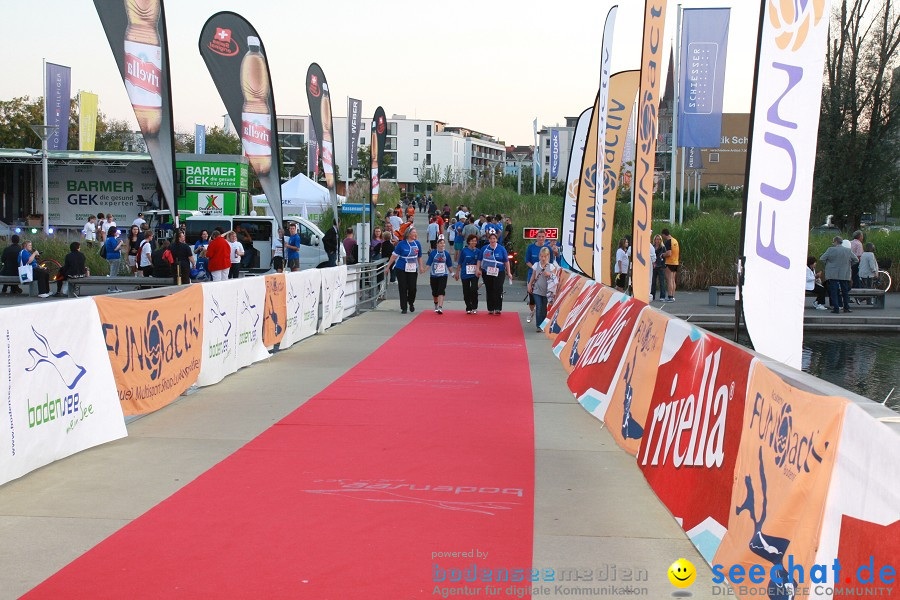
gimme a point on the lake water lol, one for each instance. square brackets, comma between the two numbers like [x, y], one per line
[868, 364]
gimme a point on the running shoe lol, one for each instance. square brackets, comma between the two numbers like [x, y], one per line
[440, 311]
[528, 320]
[412, 308]
[403, 311]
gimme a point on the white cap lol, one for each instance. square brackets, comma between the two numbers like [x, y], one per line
[252, 40]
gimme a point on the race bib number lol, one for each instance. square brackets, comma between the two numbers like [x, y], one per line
[493, 271]
[411, 266]
[470, 269]
[440, 269]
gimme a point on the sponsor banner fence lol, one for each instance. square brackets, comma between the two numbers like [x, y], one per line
[580, 307]
[629, 402]
[565, 300]
[329, 277]
[693, 429]
[155, 348]
[569, 353]
[781, 479]
[337, 299]
[275, 315]
[250, 321]
[598, 356]
[220, 326]
[59, 394]
[351, 292]
[304, 289]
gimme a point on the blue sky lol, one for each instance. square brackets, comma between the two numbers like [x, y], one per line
[489, 66]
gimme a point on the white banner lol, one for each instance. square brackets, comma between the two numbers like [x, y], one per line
[340, 283]
[573, 176]
[329, 283]
[59, 394]
[600, 150]
[303, 291]
[863, 502]
[251, 303]
[220, 326]
[351, 289]
[779, 190]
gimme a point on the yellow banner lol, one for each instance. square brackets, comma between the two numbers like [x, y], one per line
[584, 205]
[623, 88]
[87, 120]
[645, 157]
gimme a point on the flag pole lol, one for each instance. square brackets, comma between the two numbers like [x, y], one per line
[676, 69]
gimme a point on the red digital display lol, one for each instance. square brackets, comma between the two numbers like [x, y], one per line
[530, 233]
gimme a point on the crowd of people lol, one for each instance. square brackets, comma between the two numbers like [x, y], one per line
[846, 265]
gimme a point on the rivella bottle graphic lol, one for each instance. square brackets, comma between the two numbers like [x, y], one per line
[143, 64]
[327, 138]
[256, 126]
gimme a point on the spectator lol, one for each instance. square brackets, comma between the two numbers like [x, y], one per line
[542, 286]
[183, 259]
[101, 230]
[672, 255]
[330, 243]
[658, 281]
[113, 247]
[385, 249]
[139, 221]
[374, 250]
[507, 233]
[440, 262]
[837, 261]
[856, 247]
[351, 246]
[162, 259]
[145, 255]
[868, 268]
[201, 244]
[109, 222]
[29, 256]
[395, 220]
[292, 245]
[218, 253]
[814, 283]
[278, 251]
[134, 239]
[10, 263]
[467, 272]
[74, 267]
[621, 269]
[237, 252]
[89, 231]
[407, 257]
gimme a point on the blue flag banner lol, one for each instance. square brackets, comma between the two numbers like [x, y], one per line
[693, 158]
[704, 44]
[554, 153]
[56, 104]
[199, 139]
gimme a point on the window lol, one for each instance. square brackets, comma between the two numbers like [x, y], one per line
[428, 145]
[416, 128]
[415, 156]
[392, 129]
[305, 234]
[362, 140]
[427, 159]
[713, 186]
[547, 144]
[415, 142]
[428, 130]
[416, 171]
[713, 157]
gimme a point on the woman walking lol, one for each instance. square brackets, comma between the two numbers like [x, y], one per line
[493, 262]
[621, 269]
[466, 272]
[658, 283]
[542, 285]
[440, 262]
[113, 246]
[406, 260]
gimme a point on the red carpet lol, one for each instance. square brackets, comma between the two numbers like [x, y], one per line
[425, 447]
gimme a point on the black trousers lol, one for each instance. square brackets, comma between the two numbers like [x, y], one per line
[406, 284]
[470, 292]
[493, 285]
[42, 277]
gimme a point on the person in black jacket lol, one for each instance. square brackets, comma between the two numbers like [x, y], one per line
[162, 260]
[74, 267]
[184, 259]
[330, 243]
[10, 264]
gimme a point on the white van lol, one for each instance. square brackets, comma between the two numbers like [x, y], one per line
[258, 233]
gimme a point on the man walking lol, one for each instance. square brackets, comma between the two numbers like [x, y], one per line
[432, 233]
[837, 261]
[672, 255]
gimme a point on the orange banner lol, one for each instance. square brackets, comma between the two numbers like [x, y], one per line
[563, 304]
[623, 88]
[645, 157]
[275, 316]
[585, 204]
[568, 354]
[155, 346]
[629, 403]
[781, 479]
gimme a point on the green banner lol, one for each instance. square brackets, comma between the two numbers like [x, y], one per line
[212, 175]
[214, 202]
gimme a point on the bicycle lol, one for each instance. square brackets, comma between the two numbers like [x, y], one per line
[882, 281]
[53, 267]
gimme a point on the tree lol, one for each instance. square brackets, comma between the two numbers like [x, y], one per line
[218, 141]
[856, 164]
[16, 116]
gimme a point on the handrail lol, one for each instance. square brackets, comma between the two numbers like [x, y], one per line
[369, 290]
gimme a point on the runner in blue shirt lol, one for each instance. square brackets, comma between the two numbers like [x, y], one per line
[406, 261]
[440, 262]
[292, 248]
[493, 262]
[467, 272]
[459, 241]
[532, 257]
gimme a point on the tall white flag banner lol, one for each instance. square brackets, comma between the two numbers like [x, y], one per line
[220, 327]
[251, 303]
[303, 291]
[779, 182]
[59, 394]
[605, 68]
[573, 176]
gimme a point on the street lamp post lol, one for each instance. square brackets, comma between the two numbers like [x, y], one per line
[44, 132]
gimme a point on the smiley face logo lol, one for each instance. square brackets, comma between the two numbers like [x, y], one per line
[682, 573]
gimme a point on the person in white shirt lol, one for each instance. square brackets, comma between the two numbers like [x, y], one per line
[107, 224]
[396, 221]
[90, 231]
[621, 269]
[139, 221]
[145, 252]
[432, 233]
[237, 251]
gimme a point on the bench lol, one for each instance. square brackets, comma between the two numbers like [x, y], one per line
[144, 282]
[14, 280]
[862, 293]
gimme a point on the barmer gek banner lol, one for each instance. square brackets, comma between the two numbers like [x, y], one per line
[704, 45]
[136, 30]
[58, 92]
[319, 98]
[236, 59]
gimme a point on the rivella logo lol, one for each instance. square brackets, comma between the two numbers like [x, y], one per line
[793, 19]
[380, 127]
[223, 44]
[313, 86]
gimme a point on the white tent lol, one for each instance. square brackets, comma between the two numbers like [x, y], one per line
[301, 196]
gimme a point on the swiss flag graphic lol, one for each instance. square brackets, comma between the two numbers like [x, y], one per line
[223, 35]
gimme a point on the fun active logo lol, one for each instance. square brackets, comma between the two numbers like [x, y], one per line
[61, 368]
[792, 20]
[219, 321]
